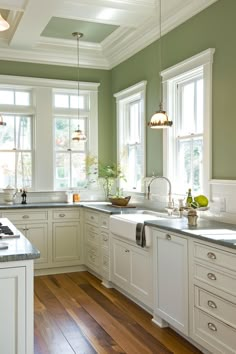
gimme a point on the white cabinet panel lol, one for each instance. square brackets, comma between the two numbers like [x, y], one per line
[13, 311]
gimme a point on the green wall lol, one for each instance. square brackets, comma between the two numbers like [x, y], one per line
[69, 73]
[215, 27]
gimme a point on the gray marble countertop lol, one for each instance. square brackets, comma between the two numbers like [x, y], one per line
[19, 248]
[212, 231]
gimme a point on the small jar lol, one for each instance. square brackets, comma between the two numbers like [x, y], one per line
[76, 197]
[192, 218]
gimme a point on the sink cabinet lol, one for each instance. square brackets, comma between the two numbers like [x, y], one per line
[131, 270]
[170, 278]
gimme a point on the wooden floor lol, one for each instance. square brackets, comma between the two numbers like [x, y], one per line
[74, 313]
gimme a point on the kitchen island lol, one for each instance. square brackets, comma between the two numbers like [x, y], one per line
[16, 292]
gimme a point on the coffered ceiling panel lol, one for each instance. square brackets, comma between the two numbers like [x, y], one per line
[41, 30]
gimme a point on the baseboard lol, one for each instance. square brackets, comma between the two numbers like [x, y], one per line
[59, 270]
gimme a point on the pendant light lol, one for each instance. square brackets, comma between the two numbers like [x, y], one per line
[159, 119]
[4, 25]
[1, 121]
[78, 133]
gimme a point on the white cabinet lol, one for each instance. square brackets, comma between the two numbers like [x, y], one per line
[131, 270]
[96, 237]
[213, 297]
[34, 225]
[66, 237]
[16, 307]
[170, 278]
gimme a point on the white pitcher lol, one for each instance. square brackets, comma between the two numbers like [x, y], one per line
[9, 194]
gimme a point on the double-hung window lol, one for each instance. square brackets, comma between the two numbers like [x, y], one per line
[70, 156]
[131, 136]
[16, 152]
[187, 92]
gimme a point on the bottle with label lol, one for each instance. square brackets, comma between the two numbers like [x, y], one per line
[189, 199]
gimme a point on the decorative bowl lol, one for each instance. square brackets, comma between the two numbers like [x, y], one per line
[119, 201]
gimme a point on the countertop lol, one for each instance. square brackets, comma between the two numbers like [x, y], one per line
[207, 230]
[19, 248]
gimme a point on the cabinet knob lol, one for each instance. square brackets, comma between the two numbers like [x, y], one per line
[168, 237]
[62, 215]
[211, 276]
[212, 304]
[211, 255]
[105, 238]
[212, 327]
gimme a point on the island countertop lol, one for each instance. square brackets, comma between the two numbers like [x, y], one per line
[19, 248]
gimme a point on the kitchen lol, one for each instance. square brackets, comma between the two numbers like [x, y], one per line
[214, 27]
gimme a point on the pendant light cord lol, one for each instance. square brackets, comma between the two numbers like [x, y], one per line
[78, 35]
[160, 50]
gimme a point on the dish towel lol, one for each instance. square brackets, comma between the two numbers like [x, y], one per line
[140, 234]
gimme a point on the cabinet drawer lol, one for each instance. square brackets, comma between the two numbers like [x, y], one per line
[93, 257]
[91, 218]
[215, 256]
[26, 215]
[92, 234]
[220, 337]
[217, 279]
[105, 239]
[105, 262]
[64, 214]
[104, 221]
[215, 306]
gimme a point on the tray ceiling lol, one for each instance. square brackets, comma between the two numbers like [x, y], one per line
[114, 30]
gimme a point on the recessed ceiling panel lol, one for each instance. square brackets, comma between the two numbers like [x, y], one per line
[62, 28]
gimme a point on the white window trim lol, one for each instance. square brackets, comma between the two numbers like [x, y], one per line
[43, 110]
[169, 76]
[123, 96]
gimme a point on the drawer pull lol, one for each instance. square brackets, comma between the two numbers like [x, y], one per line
[211, 255]
[25, 217]
[212, 327]
[62, 215]
[91, 217]
[127, 251]
[168, 237]
[211, 276]
[105, 238]
[212, 304]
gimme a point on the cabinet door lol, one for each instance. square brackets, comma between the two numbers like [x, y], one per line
[121, 264]
[66, 243]
[171, 279]
[141, 275]
[12, 310]
[37, 234]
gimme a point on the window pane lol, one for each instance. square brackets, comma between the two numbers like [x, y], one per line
[134, 123]
[23, 133]
[74, 101]
[184, 163]
[62, 170]
[7, 169]
[22, 98]
[197, 165]
[7, 135]
[62, 133]
[61, 101]
[199, 108]
[78, 170]
[6, 97]
[187, 124]
[24, 169]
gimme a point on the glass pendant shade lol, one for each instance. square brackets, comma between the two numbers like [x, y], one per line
[1, 121]
[4, 25]
[79, 135]
[160, 120]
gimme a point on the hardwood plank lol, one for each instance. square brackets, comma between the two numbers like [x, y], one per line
[101, 341]
[168, 337]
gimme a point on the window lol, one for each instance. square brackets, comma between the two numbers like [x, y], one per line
[131, 135]
[187, 92]
[70, 156]
[16, 153]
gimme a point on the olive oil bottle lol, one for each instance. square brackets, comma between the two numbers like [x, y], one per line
[189, 198]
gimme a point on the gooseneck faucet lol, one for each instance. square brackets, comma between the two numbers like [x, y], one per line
[170, 204]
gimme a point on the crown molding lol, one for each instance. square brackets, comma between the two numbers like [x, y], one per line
[118, 47]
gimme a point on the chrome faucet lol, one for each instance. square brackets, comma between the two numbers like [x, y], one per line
[170, 203]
